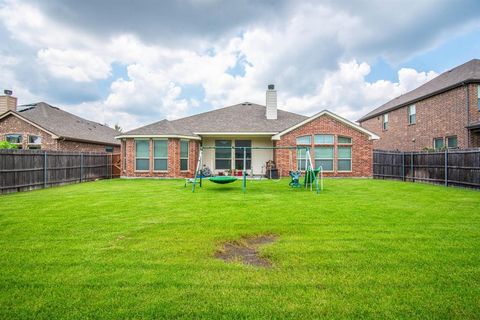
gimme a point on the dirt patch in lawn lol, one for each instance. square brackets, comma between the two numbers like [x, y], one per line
[245, 251]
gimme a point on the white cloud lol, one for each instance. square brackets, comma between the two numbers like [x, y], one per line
[80, 66]
[311, 55]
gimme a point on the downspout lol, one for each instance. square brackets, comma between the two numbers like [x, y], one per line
[467, 105]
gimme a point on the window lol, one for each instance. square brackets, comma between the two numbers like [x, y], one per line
[412, 114]
[14, 138]
[160, 155]
[108, 149]
[323, 139]
[34, 139]
[344, 161]
[239, 154]
[324, 158]
[451, 142]
[301, 159]
[304, 140]
[385, 121]
[478, 97]
[438, 143]
[142, 155]
[184, 144]
[223, 154]
[345, 140]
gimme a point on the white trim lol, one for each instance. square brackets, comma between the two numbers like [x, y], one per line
[372, 136]
[227, 134]
[153, 136]
[13, 113]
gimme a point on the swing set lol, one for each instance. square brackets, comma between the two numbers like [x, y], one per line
[313, 177]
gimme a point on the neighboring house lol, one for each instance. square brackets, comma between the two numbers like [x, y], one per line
[171, 148]
[442, 113]
[42, 126]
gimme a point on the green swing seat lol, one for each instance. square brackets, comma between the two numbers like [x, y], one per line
[223, 179]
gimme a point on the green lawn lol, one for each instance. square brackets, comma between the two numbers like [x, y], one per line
[145, 249]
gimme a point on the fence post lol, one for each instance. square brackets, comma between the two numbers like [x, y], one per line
[446, 167]
[45, 176]
[403, 166]
[81, 166]
[412, 169]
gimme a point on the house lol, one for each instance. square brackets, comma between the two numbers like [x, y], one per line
[442, 113]
[171, 148]
[42, 126]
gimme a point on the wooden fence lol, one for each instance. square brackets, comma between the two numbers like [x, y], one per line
[450, 167]
[22, 170]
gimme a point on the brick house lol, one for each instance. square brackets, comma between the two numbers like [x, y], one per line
[442, 113]
[171, 148]
[42, 126]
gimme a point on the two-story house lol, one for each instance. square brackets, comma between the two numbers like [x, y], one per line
[442, 113]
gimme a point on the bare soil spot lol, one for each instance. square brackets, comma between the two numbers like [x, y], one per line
[245, 251]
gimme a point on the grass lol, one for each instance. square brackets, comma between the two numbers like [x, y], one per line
[143, 249]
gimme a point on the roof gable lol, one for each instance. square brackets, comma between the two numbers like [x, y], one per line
[19, 116]
[371, 135]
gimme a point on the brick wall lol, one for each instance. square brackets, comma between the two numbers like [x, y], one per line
[362, 147]
[14, 125]
[173, 160]
[77, 146]
[442, 115]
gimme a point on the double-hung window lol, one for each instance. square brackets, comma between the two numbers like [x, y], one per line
[344, 158]
[302, 153]
[184, 155]
[160, 155]
[478, 97]
[451, 142]
[34, 142]
[438, 143]
[385, 122]
[324, 151]
[142, 155]
[223, 154]
[412, 114]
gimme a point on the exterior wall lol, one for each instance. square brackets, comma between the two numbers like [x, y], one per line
[442, 115]
[14, 125]
[76, 146]
[259, 156]
[362, 147]
[173, 160]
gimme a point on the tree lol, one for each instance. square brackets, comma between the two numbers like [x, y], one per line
[118, 128]
[7, 145]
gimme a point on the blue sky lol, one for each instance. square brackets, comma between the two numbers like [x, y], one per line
[134, 63]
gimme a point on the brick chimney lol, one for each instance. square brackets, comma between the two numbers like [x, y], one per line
[271, 103]
[7, 102]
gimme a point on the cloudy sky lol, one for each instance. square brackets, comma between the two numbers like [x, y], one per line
[136, 62]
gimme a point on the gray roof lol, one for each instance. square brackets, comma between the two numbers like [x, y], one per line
[243, 118]
[467, 72]
[67, 125]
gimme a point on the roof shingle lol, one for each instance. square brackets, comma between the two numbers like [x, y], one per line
[67, 125]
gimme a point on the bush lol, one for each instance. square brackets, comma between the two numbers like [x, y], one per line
[7, 145]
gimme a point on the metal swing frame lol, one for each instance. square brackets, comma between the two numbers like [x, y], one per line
[309, 168]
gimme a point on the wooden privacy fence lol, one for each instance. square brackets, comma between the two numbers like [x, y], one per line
[450, 167]
[22, 170]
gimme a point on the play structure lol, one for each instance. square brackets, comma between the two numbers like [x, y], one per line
[313, 178]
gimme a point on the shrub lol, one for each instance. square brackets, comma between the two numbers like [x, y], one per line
[7, 145]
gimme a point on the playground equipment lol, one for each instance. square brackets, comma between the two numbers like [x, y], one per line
[295, 182]
[311, 174]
